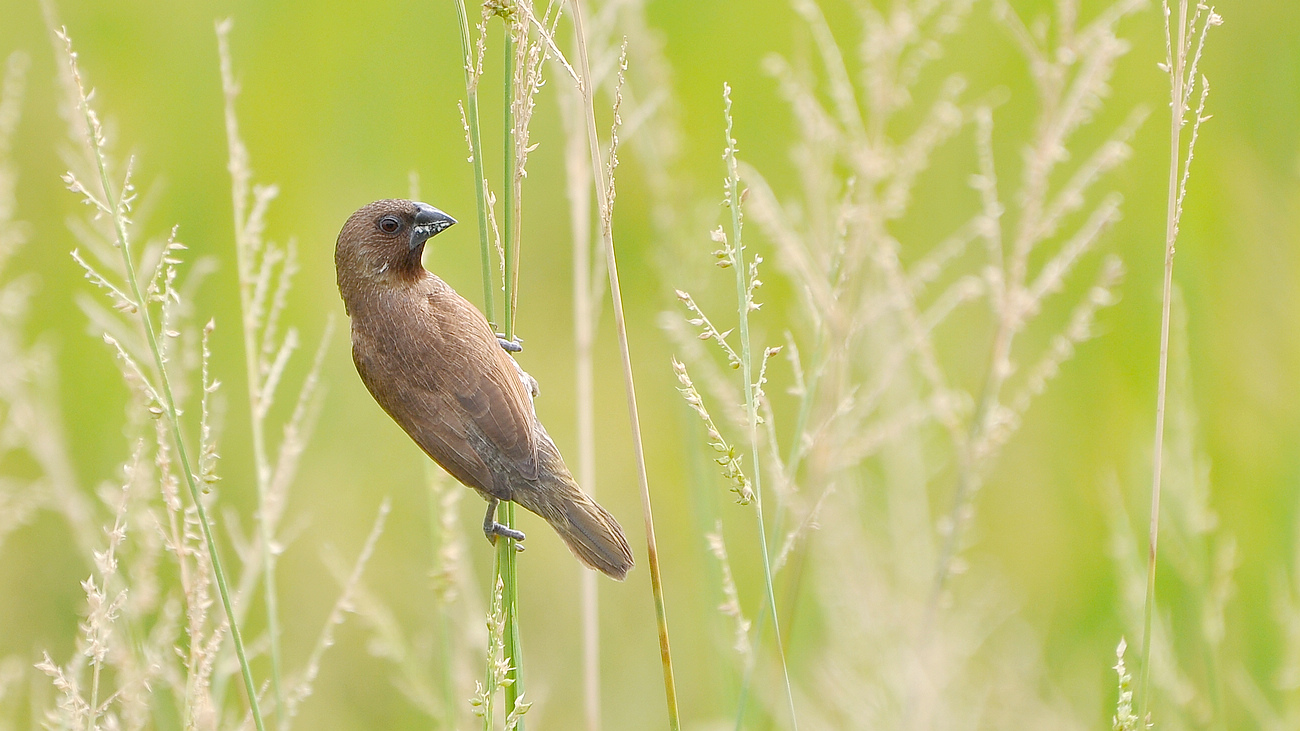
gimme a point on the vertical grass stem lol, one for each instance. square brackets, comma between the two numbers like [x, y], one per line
[239, 176]
[512, 187]
[115, 204]
[620, 327]
[476, 154]
[751, 407]
[1176, 64]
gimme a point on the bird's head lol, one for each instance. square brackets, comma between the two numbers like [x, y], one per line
[386, 238]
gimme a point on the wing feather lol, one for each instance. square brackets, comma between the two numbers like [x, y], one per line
[452, 388]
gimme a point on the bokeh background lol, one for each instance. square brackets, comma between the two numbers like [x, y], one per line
[341, 102]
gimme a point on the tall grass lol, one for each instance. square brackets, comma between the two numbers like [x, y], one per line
[860, 423]
[527, 43]
[150, 650]
[882, 427]
[156, 387]
[1181, 61]
[603, 175]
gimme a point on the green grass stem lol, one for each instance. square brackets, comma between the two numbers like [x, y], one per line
[751, 406]
[1176, 69]
[511, 187]
[262, 464]
[792, 460]
[620, 326]
[115, 204]
[476, 155]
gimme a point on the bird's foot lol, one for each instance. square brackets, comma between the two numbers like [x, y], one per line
[510, 346]
[492, 529]
[496, 529]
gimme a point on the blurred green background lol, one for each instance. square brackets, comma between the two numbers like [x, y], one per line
[342, 101]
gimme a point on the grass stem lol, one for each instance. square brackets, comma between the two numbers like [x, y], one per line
[116, 205]
[586, 299]
[1176, 64]
[244, 243]
[476, 155]
[620, 327]
[743, 293]
[512, 187]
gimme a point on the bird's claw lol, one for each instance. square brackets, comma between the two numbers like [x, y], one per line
[500, 530]
[510, 346]
[492, 529]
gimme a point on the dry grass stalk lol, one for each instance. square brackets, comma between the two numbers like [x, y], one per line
[731, 604]
[1183, 47]
[1191, 670]
[873, 388]
[602, 174]
[139, 337]
[266, 272]
[612, 29]
[155, 562]
[456, 628]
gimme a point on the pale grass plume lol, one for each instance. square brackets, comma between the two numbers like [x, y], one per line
[149, 326]
[532, 35]
[79, 705]
[156, 565]
[30, 424]
[728, 458]
[1203, 557]
[497, 677]
[732, 256]
[803, 531]
[731, 602]
[449, 641]
[265, 277]
[301, 687]
[1125, 719]
[1183, 47]
[878, 400]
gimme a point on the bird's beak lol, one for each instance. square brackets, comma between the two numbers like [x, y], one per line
[428, 222]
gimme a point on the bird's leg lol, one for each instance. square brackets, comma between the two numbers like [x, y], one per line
[510, 346]
[492, 529]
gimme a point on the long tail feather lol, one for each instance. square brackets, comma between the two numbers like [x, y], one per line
[592, 534]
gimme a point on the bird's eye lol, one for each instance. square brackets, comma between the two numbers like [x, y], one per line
[389, 224]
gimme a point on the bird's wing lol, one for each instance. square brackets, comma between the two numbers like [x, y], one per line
[444, 379]
[486, 385]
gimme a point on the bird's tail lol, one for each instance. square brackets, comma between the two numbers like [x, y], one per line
[592, 534]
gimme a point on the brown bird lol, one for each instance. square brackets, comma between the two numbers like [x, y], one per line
[433, 362]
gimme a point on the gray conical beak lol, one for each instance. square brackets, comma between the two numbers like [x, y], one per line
[428, 222]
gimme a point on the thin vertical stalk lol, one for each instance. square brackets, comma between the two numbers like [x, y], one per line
[239, 184]
[590, 599]
[579, 189]
[489, 679]
[1177, 64]
[793, 457]
[436, 538]
[620, 327]
[476, 153]
[751, 406]
[511, 186]
[504, 561]
[513, 182]
[94, 695]
[114, 203]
